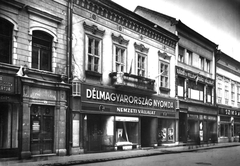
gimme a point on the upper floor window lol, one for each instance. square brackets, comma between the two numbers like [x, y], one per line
[233, 92]
[119, 53]
[93, 56]
[208, 65]
[195, 91]
[238, 94]
[42, 50]
[226, 94]
[181, 54]
[164, 75]
[209, 94]
[180, 87]
[201, 62]
[6, 30]
[141, 67]
[141, 57]
[93, 47]
[189, 53]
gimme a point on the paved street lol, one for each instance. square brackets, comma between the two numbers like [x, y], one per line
[215, 157]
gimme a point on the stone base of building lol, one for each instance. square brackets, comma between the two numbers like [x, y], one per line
[61, 152]
[76, 151]
[25, 155]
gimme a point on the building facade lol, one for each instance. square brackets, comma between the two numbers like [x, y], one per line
[33, 94]
[228, 98]
[195, 79]
[123, 80]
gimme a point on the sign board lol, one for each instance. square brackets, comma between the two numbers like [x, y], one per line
[6, 84]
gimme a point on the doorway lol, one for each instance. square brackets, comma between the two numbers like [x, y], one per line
[42, 122]
[182, 127]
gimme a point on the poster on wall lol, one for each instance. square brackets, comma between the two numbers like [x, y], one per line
[170, 134]
[164, 134]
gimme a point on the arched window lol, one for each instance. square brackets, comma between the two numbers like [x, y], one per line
[6, 30]
[42, 51]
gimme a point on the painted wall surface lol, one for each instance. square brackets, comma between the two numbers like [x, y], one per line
[81, 15]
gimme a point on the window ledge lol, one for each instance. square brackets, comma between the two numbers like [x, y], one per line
[93, 73]
[164, 89]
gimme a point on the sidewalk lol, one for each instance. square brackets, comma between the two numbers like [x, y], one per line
[107, 156]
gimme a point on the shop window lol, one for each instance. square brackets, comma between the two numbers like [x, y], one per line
[195, 91]
[6, 30]
[236, 126]
[181, 54]
[42, 51]
[192, 130]
[8, 126]
[180, 87]
[166, 131]
[126, 130]
[224, 130]
[238, 95]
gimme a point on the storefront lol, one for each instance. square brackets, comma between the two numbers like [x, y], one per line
[9, 116]
[118, 120]
[44, 111]
[228, 124]
[197, 123]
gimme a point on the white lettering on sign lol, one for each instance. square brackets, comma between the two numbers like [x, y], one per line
[123, 98]
[135, 111]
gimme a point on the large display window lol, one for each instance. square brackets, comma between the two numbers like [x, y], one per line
[126, 130]
[166, 130]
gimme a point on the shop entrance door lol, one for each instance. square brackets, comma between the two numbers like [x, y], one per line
[182, 127]
[42, 122]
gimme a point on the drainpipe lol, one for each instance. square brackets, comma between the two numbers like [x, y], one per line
[69, 76]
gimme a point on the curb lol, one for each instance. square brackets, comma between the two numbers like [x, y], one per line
[133, 156]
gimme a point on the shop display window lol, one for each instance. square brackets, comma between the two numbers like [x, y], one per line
[127, 129]
[166, 130]
[224, 130]
[237, 129]
[8, 126]
[75, 129]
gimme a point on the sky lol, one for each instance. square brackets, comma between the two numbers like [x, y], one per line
[217, 20]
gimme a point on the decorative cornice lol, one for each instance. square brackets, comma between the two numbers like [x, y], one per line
[93, 29]
[120, 40]
[44, 14]
[13, 3]
[123, 20]
[164, 55]
[141, 48]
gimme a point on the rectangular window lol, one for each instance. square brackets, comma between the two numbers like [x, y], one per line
[41, 51]
[141, 67]
[189, 53]
[226, 94]
[238, 94]
[208, 65]
[195, 91]
[180, 87]
[164, 74]
[201, 62]
[181, 54]
[233, 92]
[219, 92]
[119, 59]
[209, 94]
[94, 52]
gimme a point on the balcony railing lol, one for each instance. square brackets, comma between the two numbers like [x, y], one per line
[126, 81]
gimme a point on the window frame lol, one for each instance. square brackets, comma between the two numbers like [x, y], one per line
[208, 65]
[142, 51]
[162, 78]
[43, 47]
[7, 38]
[201, 62]
[181, 56]
[190, 57]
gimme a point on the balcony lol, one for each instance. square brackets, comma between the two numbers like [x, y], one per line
[132, 83]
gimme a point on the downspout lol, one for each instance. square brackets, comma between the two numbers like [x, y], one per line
[69, 76]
